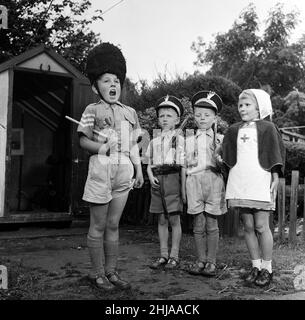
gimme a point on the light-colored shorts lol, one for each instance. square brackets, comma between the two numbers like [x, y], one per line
[107, 180]
[205, 193]
[168, 197]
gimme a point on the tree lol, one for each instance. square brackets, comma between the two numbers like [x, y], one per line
[251, 60]
[290, 111]
[59, 24]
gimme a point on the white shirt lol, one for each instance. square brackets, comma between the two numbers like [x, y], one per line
[199, 150]
[160, 150]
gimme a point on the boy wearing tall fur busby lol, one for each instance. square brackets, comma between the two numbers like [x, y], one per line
[164, 155]
[104, 131]
[203, 185]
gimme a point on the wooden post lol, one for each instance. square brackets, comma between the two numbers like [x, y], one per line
[293, 207]
[3, 277]
[227, 220]
[220, 220]
[233, 222]
[304, 213]
[236, 223]
[281, 208]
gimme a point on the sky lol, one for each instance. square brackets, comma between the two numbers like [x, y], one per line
[156, 35]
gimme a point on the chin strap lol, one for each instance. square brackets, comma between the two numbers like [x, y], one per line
[98, 90]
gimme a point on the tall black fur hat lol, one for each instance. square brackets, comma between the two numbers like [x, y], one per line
[106, 58]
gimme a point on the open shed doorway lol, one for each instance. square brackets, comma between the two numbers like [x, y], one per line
[40, 168]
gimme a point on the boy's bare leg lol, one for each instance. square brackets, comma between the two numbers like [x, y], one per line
[176, 235]
[163, 235]
[250, 236]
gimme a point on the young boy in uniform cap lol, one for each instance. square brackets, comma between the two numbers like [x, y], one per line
[164, 155]
[104, 132]
[254, 153]
[202, 185]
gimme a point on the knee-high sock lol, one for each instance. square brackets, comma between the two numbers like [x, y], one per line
[201, 246]
[111, 249]
[96, 253]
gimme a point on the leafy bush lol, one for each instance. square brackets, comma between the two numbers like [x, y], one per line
[184, 89]
[295, 160]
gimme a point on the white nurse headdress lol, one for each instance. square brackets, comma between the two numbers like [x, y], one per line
[264, 103]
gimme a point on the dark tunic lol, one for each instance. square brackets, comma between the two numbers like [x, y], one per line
[271, 150]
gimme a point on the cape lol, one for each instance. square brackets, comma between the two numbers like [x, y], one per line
[271, 149]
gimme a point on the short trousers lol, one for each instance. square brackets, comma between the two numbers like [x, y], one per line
[107, 180]
[205, 193]
[168, 197]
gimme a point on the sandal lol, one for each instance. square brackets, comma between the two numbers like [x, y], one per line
[172, 264]
[209, 270]
[159, 263]
[196, 268]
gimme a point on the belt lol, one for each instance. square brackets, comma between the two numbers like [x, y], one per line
[166, 169]
[215, 170]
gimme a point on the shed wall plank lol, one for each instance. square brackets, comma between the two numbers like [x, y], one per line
[4, 91]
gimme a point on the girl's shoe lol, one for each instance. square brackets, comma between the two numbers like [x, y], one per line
[209, 270]
[252, 276]
[101, 282]
[172, 264]
[264, 278]
[159, 263]
[197, 268]
[114, 278]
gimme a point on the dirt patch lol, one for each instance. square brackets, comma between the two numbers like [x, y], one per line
[56, 268]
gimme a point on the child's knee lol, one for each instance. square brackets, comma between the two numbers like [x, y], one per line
[212, 230]
[261, 228]
[198, 228]
[162, 221]
[174, 220]
[248, 224]
[97, 229]
[249, 227]
[112, 225]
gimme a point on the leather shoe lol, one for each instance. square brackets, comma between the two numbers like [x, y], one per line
[253, 274]
[114, 278]
[264, 278]
[101, 282]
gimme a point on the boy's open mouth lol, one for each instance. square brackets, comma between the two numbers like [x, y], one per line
[112, 92]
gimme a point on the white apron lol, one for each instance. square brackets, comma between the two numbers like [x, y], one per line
[247, 179]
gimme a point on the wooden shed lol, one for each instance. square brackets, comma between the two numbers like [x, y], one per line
[42, 168]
